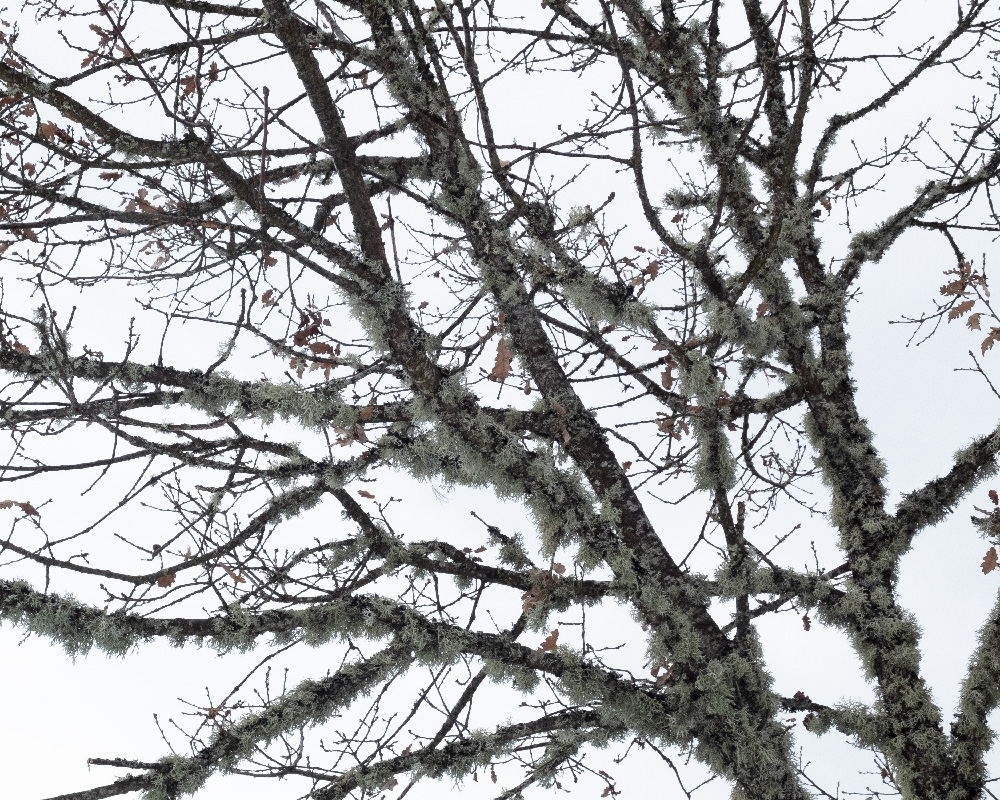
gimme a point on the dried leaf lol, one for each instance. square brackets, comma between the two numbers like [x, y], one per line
[667, 378]
[962, 308]
[27, 508]
[268, 298]
[990, 562]
[806, 622]
[990, 340]
[973, 321]
[165, 580]
[994, 497]
[954, 288]
[677, 217]
[213, 72]
[366, 412]
[20, 348]
[761, 310]
[321, 349]
[501, 368]
[559, 569]
[236, 578]
[190, 85]
[626, 465]
[367, 495]
[110, 176]
[549, 645]
[48, 130]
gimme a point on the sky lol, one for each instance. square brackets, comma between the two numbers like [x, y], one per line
[921, 401]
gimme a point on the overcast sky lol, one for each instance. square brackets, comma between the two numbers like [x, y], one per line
[922, 407]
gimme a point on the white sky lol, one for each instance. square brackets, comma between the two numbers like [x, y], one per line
[57, 714]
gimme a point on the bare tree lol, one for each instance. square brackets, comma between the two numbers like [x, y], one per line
[332, 259]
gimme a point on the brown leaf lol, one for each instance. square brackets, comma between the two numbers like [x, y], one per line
[549, 645]
[213, 72]
[268, 298]
[559, 569]
[321, 349]
[236, 578]
[677, 217]
[367, 495]
[20, 348]
[761, 310]
[953, 288]
[990, 562]
[501, 369]
[190, 85]
[366, 412]
[165, 580]
[990, 340]
[110, 176]
[667, 378]
[626, 465]
[48, 130]
[27, 508]
[973, 321]
[806, 622]
[994, 497]
[962, 308]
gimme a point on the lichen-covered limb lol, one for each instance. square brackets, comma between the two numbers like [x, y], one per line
[463, 754]
[126, 785]
[884, 634]
[309, 704]
[670, 609]
[971, 736]
[934, 501]
[79, 627]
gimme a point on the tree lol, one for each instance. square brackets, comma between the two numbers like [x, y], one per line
[332, 264]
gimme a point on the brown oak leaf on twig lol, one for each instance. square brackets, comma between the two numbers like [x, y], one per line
[501, 369]
[990, 562]
[549, 645]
